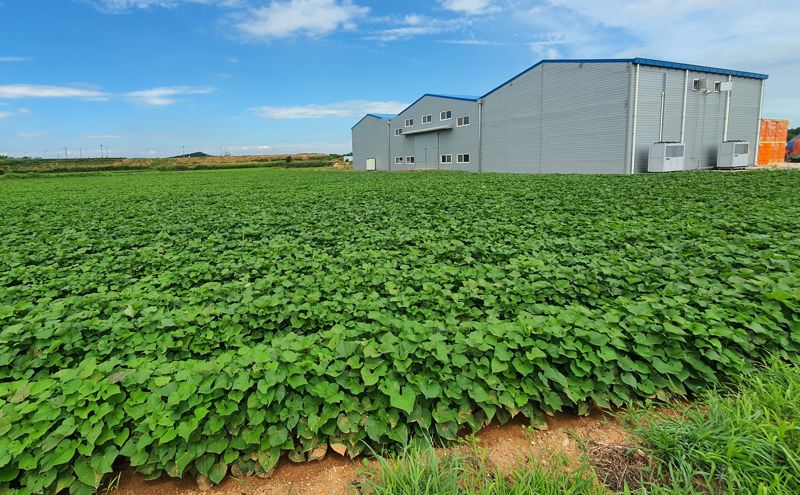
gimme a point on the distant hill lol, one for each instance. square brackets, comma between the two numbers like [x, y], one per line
[196, 154]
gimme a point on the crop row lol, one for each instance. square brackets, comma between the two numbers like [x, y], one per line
[207, 323]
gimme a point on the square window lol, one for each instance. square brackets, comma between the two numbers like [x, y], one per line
[427, 119]
[717, 86]
[462, 121]
[409, 122]
[398, 160]
[409, 159]
[398, 132]
[446, 115]
[463, 158]
[447, 159]
[695, 84]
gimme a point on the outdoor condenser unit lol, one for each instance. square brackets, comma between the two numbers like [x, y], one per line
[733, 154]
[665, 157]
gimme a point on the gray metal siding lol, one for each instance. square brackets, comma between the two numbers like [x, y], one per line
[370, 140]
[428, 147]
[569, 117]
[652, 82]
[744, 117]
[559, 118]
[705, 114]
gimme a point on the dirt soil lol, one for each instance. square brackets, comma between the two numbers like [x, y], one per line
[506, 446]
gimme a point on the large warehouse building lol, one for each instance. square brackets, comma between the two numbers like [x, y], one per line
[571, 116]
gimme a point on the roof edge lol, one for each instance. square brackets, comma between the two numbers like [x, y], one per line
[637, 60]
[434, 95]
[374, 115]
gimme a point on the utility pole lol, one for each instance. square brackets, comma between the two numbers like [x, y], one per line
[101, 151]
[183, 149]
[80, 151]
[66, 155]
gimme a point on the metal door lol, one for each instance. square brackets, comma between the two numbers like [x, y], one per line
[426, 150]
[371, 164]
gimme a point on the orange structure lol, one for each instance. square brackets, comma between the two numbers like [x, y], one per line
[772, 141]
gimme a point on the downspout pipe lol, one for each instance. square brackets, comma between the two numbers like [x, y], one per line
[685, 97]
[389, 145]
[635, 116]
[727, 113]
[758, 123]
[480, 135]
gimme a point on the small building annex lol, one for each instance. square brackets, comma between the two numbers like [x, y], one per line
[570, 116]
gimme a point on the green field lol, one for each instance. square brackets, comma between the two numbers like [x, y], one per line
[206, 322]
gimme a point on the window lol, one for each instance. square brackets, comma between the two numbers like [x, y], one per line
[695, 84]
[446, 115]
[398, 132]
[409, 122]
[741, 149]
[717, 86]
[398, 160]
[409, 159]
[462, 121]
[427, 119]
[447, 159]
[464, 158]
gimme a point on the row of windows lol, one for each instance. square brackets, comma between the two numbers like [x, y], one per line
[696, 85]
[460, 158]
[427, 119]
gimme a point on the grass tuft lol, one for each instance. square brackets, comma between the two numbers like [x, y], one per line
[742, 441]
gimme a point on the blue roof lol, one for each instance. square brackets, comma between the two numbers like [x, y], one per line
[641, 61]
[449, 97]
[382, 116]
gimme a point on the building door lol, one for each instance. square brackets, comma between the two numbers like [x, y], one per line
[426, 150]
[371, 164]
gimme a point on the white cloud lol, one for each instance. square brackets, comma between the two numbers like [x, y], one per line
[470, 7]
[38, 91]
[350, 108]
[102, 136]
[413, 25]
[166, 95]
[121, 6]
[283, 19]
[32, 135]
[15, 59]
[262, 147]
[13, 113]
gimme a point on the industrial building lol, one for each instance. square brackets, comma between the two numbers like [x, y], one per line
[576, 116]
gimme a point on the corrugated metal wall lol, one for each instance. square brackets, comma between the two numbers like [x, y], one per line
[559, 118]
[573, 117]
[427, 148]
[371, 140]
[705, 114]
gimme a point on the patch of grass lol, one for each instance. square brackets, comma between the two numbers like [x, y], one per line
[420, 469]
[742, 441]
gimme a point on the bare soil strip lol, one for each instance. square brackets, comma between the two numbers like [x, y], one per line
[506, 446]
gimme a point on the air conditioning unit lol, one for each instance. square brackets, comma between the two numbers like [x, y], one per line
[706, 85]
[665, 157]
[733, 154]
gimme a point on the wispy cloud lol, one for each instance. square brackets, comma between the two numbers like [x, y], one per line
[121, 6]
[38, 91]
[470, 7]
[13, 113]
[284, 19]
[14, 59]
[349, 108]
[32, 135]
[166, 95]
[413, 25]
[102, 136]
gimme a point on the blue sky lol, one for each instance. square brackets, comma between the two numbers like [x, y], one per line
[153, 77]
